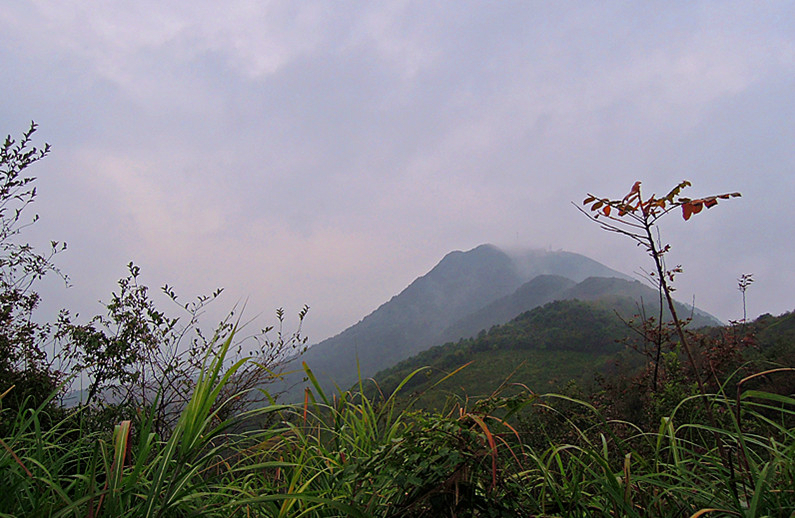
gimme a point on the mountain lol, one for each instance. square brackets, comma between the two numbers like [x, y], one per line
[567, 340]
[464, 293]
[628, 298]
[541, 349]
[643, 299]
[537, 291]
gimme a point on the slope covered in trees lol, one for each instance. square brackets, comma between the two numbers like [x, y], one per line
[541, 349]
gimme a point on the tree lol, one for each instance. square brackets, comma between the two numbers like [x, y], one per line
[637, 218]
[27, 375]
[743, 283]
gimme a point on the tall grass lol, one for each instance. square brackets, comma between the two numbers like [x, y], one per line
[366, 454]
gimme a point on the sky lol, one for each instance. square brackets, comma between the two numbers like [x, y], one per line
[329, 153]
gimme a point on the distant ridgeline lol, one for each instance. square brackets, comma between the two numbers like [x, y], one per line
[541, 349]
[567, 340]
[465, 293]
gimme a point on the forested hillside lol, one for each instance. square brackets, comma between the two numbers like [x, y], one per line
[542, 349]
[564, 342]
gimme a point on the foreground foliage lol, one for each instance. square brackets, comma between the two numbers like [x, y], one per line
[350, 455]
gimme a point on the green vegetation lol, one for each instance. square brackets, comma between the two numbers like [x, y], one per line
[349, 455]
[542, 349]
[173, 431]
[23, 361]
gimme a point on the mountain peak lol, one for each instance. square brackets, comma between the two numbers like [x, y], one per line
[417, 318]
[481, 257]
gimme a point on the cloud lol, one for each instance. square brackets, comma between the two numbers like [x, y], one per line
[330, 153]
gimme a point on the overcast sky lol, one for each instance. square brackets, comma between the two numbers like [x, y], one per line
[328, 153]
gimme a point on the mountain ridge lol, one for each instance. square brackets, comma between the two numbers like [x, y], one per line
[426, 312]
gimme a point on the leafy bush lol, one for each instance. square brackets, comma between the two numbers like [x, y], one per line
[27, 375]
[137, 357]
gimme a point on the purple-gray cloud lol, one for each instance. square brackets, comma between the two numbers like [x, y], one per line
[329, 153]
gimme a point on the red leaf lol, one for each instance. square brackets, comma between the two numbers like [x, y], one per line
[633, 193]
[687, 210]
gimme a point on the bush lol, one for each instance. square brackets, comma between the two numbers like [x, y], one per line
[27, 376]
